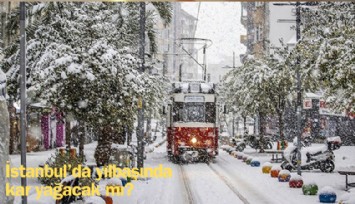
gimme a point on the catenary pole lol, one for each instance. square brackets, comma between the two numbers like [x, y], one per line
[299, 91]
[23, 92]
[140, 133]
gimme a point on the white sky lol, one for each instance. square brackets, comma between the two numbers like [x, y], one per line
[219, 22]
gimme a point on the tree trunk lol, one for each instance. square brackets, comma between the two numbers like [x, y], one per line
[119, 135]
[81, 136]
[13, 129]
[281, 125]
[262, 130]
[67, 135]
[4, 150]
[103, 149]
[148, 129]
[246, 132]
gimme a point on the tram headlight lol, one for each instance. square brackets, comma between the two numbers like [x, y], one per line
[193, 140]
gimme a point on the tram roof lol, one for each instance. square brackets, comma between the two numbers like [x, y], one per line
[193, 87]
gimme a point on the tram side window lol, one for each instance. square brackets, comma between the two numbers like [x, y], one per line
[178, 111]
[210, 112]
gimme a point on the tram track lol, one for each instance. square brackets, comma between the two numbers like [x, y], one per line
[230, 186]
[187, 185]
[193, 195]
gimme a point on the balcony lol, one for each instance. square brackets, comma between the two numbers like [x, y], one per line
[244, 20]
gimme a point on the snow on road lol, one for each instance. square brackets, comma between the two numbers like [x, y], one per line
[207, 187]
[227, 180]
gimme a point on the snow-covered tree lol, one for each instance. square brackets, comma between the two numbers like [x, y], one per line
[327, 51]
[83, 59]
[4, 139]
[249, 89]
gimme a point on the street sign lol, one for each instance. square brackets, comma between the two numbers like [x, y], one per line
[307, 103]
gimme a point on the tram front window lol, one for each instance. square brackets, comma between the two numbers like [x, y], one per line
[193, 112]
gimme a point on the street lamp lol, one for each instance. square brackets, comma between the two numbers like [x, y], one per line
[299, 83]
[140, 129]
[23, 93]
[299, 93]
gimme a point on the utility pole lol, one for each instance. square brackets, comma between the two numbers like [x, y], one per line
[140, 129]
[23, 93]
[299, 91]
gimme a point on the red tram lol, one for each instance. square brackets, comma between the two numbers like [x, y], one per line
[192, 133]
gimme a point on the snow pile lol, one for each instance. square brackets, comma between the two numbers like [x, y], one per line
[334, 139]
[310, 182]
[347, 198]
[347, 168]
[284, 172]
[68, 179]
[184, 87]
[313, 150]
[149, 149]
[295, 177]
[206, 87]
[278, 168]
[32, 199]
[94, 200]
[255, 159]
[327, 190]
[267, 164]
[224, 147]
[113, 182]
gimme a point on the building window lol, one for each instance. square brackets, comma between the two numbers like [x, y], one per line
[259, 3]
[258, 33]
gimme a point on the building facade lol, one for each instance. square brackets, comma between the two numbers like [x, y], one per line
[267, 24]
[176, 63]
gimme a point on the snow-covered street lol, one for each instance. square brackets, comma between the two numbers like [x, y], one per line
[173, 102]
[227, 180]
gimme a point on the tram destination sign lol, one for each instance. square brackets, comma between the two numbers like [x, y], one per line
[194, 99]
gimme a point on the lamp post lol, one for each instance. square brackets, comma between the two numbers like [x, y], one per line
[140, 129]
[299, 91]
[299, 83]
[23, 93]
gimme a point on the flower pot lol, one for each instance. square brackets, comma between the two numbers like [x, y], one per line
[255, 163]
[310, 189]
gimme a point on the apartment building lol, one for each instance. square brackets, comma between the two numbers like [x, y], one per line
[267, 23]
[176, 63]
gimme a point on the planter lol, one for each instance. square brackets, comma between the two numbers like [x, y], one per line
[296, 181]
[327, 198]
[284, 176]
[73, 152]
[240, 156]
[275, 171]
[310, 189]
[327, 195]
[245, 157]
[266, 168]
[62, 151]
[108, 199]
[248, 161]
[255, 163]
[124, 181]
